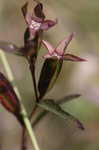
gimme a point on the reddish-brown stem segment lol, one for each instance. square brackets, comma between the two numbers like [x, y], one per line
[23, 146]
[32, 69]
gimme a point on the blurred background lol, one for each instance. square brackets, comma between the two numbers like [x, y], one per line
[81, 17]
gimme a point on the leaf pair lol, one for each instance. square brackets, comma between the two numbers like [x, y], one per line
[53, 107]
[59, 102]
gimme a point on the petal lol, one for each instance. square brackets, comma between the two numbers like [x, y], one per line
[36, 19]
[24, 9]
[27, 16]
[47, 56]
[38, 10]
[48, 46]
[33, 24]
[48, 24]
[64, 43]
[54, 56]
[71, 57]
[28, 19]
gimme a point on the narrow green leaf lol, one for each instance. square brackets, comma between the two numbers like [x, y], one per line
[49, 75]
[68, 98]
[61, 101]
[53, 107]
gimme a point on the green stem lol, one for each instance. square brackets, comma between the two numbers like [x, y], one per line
[23, 111]
[29, 128]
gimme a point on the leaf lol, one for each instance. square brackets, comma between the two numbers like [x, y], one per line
[68, 98]
[53, 107]
[9, 48]
[60, 102]
[9, 99]
[49, 75]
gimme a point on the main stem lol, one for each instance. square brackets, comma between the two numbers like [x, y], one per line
[24, 113]
[29, 128]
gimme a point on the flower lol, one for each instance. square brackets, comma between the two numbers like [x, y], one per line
[38, 22]
[59, 51]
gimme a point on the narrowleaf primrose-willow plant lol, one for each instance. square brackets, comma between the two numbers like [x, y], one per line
[33, 41]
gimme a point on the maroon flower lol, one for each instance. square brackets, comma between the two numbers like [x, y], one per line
[59, 51]
[37, 22]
